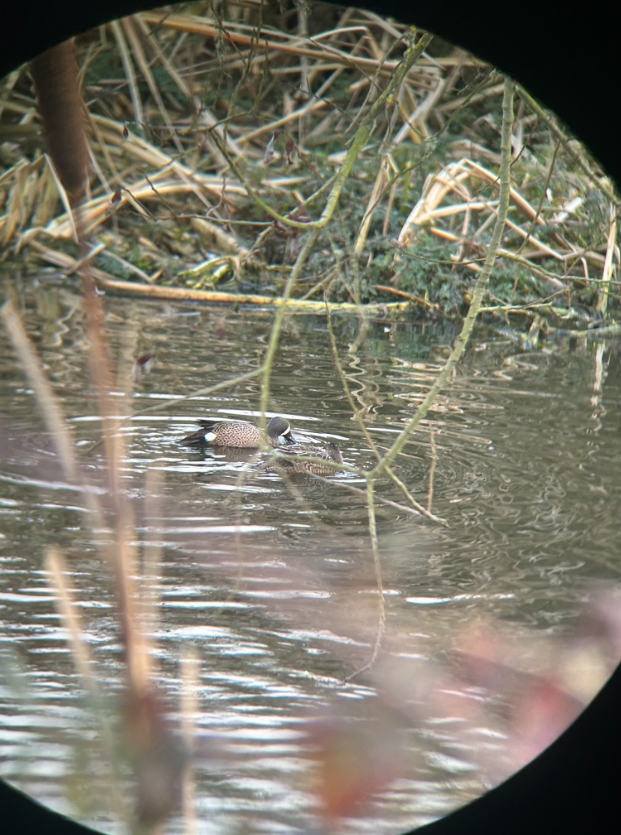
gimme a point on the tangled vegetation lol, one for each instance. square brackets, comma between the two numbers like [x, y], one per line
[215, 142]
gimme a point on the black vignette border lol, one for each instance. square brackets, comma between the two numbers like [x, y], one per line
[570, 62]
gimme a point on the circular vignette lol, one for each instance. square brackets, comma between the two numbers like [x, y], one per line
[572, 785]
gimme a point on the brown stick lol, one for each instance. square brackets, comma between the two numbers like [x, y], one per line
[55, 74]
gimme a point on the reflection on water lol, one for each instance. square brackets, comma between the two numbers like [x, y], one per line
[273, 580]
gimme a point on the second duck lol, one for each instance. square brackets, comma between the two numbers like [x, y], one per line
[294, 460]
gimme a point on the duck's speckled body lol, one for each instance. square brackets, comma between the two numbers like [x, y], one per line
[240, 433]
[295, 460]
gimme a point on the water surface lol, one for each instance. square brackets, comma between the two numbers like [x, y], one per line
[273, 581]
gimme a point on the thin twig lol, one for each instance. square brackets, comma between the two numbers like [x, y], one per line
[432, 469]
[381, 626]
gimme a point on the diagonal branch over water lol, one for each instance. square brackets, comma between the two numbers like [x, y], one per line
[479, 288]
[384, 464]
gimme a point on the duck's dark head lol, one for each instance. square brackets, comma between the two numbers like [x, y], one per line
[335, 453]
[278, 428]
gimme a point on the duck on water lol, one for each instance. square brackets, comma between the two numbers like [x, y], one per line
[243, 434]
[295, 460]
[240, 433]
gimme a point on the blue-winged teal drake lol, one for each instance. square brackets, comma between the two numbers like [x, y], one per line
[296, 463]
[240, 433]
